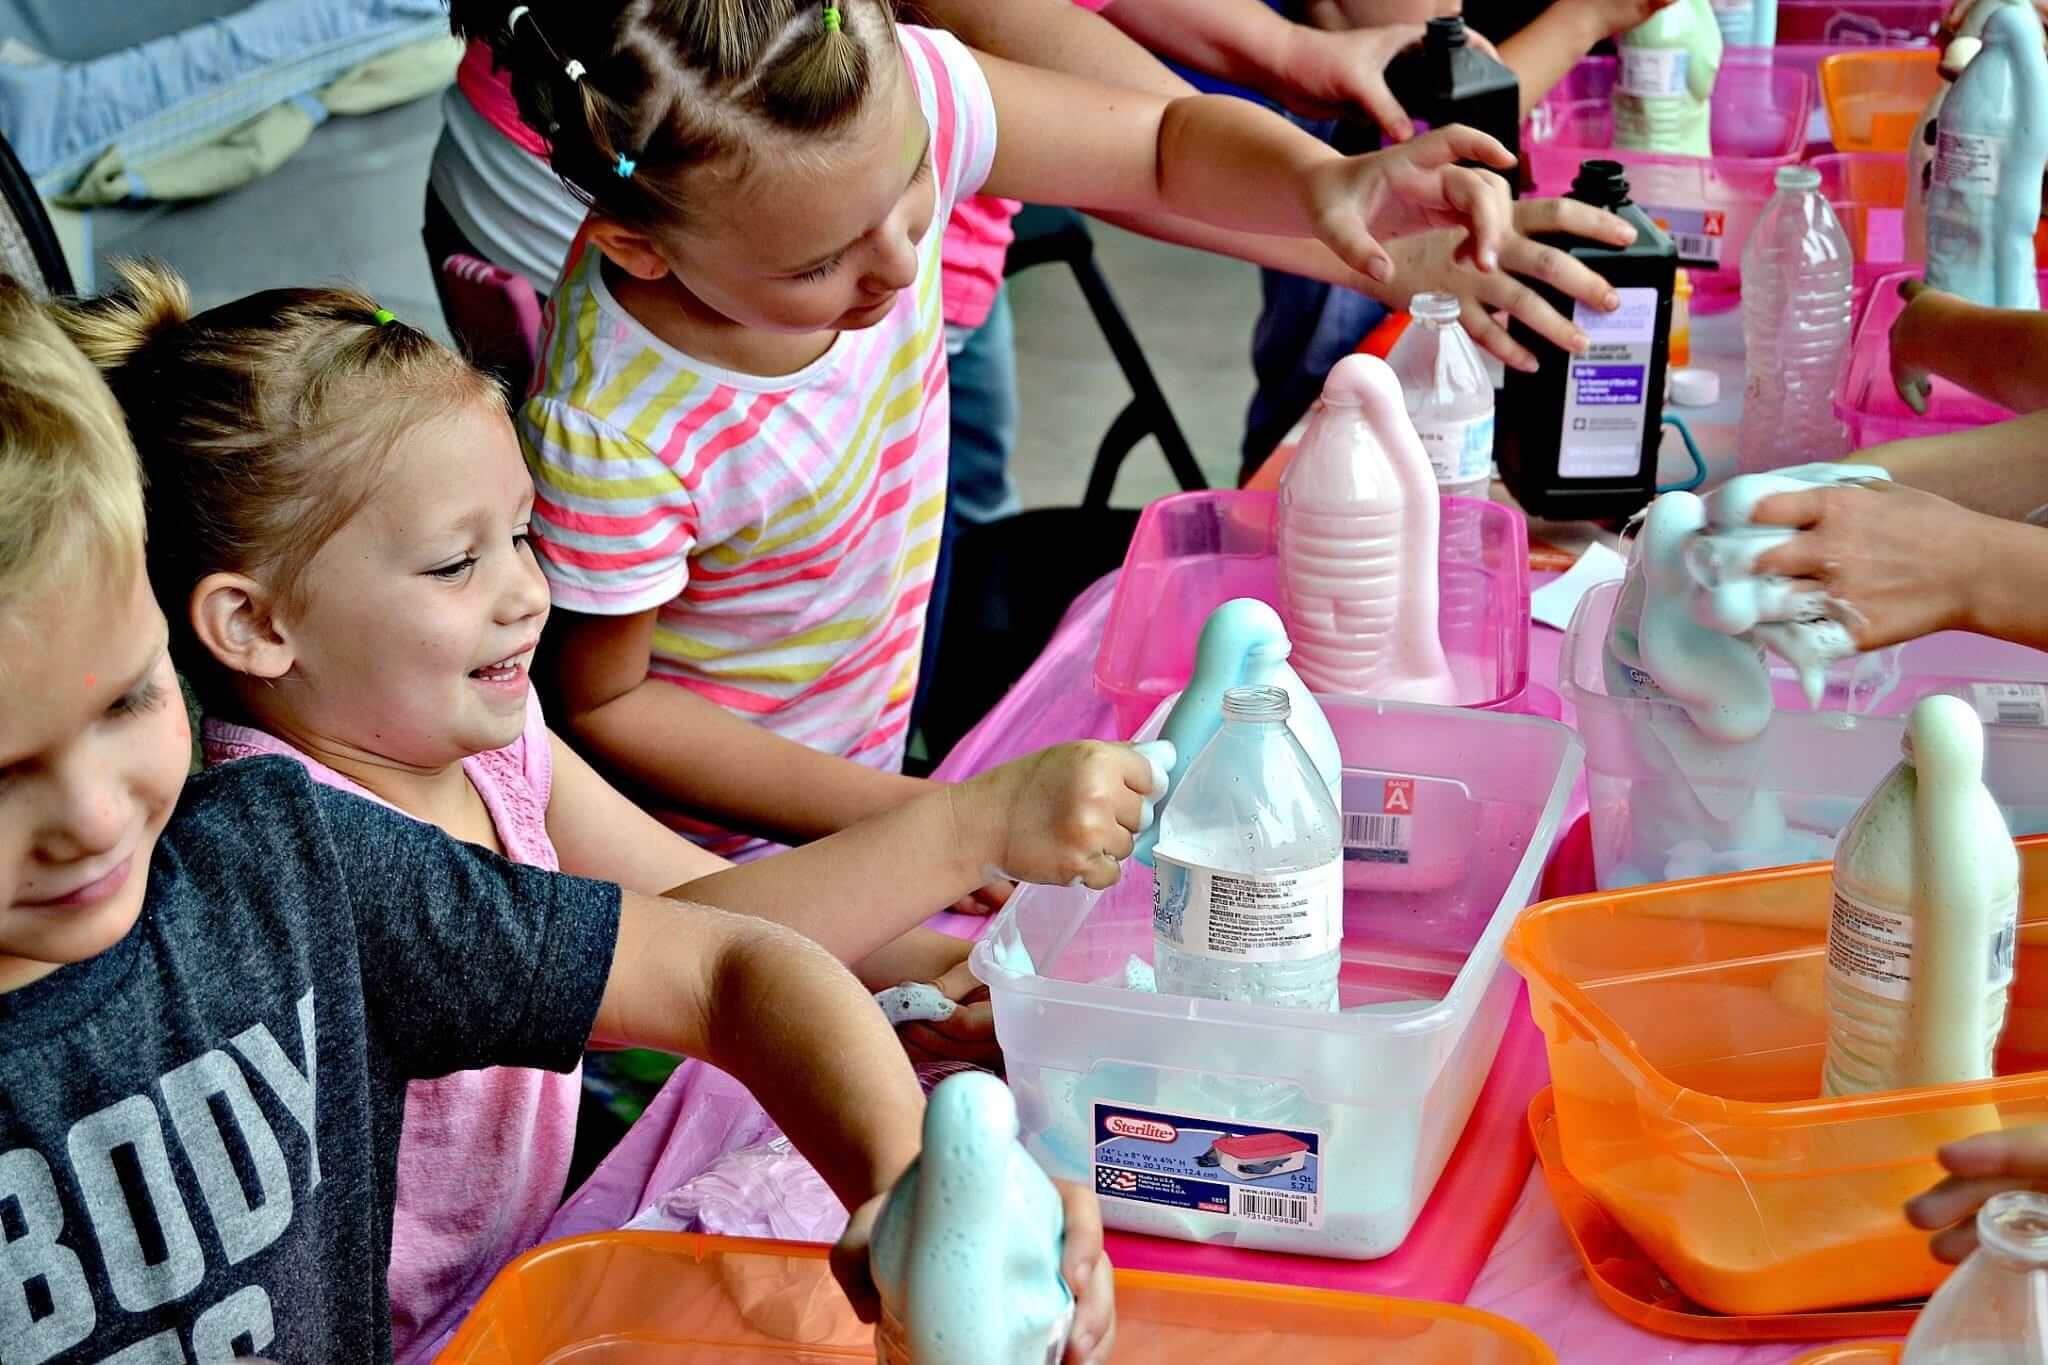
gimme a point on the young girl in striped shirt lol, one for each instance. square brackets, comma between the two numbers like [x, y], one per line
[738, 434]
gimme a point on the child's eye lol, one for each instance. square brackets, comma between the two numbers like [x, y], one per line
[820, 272]
[523, 538]
[455, 570]
[141, 701]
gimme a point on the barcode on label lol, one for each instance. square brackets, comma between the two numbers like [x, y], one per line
[1698, 234]
[1376, 831]
[1265, 1206]
[1697, 247]
[2011, 703]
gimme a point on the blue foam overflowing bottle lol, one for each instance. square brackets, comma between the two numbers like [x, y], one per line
[966, 1252]
[1983, 195]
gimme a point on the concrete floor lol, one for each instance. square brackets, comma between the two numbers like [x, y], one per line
[348, 207]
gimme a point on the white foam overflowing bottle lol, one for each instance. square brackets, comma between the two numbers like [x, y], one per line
[1248, 874]
[1358, 527]
[1922, 936]
[966, 1252]
[1798, 281]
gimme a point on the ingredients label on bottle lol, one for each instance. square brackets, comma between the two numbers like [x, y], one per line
[1384, 835]
[1698, 234]
[1650, 72]
[2011, 703]
[1968, 162]
[1236, 917]
[1606, 388]
[1870, 950]
[1459, 449]
[1270, 1176]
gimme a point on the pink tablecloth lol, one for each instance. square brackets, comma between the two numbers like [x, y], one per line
[1533, 1275]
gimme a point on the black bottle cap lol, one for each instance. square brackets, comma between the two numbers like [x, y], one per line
[1601, 184]
[1441, 35]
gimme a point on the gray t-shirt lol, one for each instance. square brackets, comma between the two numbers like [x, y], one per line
[199, 1127]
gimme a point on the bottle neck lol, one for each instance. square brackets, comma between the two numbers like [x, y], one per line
[2012, 1229]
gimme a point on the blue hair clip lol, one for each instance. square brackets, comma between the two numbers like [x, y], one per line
[624, 168]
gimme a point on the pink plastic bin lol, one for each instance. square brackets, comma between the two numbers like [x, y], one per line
[1859, 23]
[1760, 116]
[1869, 405]
[1868, 193]
[1195, 551]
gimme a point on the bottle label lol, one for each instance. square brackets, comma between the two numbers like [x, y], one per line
[1968, 162]
[2011, 703]
[1870, 948]
[1607, 387]
[1386, 835]
[1271, 1177]
[1698, 234]
[1650, 72]
[1240, 917]
[1460, 450]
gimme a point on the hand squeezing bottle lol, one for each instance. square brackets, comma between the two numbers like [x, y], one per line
[1358, 526]
[1663, 94]
[1922, 937]
[1983, 197]
[966, 1252]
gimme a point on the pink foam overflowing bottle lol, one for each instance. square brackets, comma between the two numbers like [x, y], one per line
[1358, 545]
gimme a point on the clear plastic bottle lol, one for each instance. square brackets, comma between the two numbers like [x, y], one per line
[1993, 1311]
[1248, 891]
[1798, 279]
[1448, 395]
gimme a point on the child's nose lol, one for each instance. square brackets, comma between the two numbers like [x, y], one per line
[896, 263]
[526, 595]
[88, 818]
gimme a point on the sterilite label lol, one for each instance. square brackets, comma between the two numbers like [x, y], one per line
[1272, 917]
[2011, 703]
[1270, 1176]
[1384, 835]
[1968, 162]
[1653, 71]
[1698, 234]
[1606, 387]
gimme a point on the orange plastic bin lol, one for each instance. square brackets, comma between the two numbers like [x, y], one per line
[1875, 98]
[1686, 1030]
[628, 1298]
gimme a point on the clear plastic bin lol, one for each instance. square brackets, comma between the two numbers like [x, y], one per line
[1383, 1088]
[1867, 191]
[1868, 404]
[644, 1298]
[1820, 765]
[1760, 115]
[1874, 99]
[1859, 23]
[1686, 1028]
[1195, 551]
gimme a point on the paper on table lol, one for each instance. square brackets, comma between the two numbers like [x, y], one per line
[1554, 603]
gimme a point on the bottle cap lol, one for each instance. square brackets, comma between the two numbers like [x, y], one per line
[1959, 53]
[1601, 183]
[1694, 387]
[1444, 32]
[1798, 178]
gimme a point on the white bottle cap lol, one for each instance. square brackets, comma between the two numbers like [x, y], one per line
[1961, 51]
[1694, 387]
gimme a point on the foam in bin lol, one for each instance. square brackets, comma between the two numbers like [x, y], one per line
[1379, 1091]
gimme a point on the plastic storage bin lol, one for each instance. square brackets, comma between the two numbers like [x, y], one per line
[1868, 404]
[1819, 764]
[1195, 551]
[642, 1298]
[1382, 1089]
[1709, 205]
[1867, 191]
[1862, 23]
[1873, 99]
[1686, 1028]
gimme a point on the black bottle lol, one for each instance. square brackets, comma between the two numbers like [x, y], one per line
[1447, 81]
[1577, 440]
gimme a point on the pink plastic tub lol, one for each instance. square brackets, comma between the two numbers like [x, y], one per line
[1868, 193]
[1195, 551]
[1708, 204]
[1869, 405]
[1859, 23]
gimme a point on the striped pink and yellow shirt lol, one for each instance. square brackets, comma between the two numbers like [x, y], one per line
[785, 527]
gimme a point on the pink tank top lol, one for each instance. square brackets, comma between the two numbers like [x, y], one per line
[484, 1154]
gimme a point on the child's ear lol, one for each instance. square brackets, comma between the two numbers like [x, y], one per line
[630, 250]
[235, 619]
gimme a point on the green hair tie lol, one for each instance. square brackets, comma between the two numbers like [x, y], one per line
[384, 317]
[831, 18]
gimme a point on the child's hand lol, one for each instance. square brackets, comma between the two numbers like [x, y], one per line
[1411, 188]
[1086, 1268]
[1338, 15]
[1978, 1167]
[1330, 75]
[1060, 816]
[969, 1035]
[1917, 338]
[1433, 261]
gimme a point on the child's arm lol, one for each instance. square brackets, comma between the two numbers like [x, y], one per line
[1999, 470]
[1997, 353]
[1978, 1167]
[1057, 35]
[1555, 40]
[1226, 163]
[694, 752]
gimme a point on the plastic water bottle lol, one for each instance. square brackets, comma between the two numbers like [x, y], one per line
[1994, 1310]
[1922, 938]
[1798, 277]
[1248, 876]
[1357, 545]
[966, 1251]
[1448, 395]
